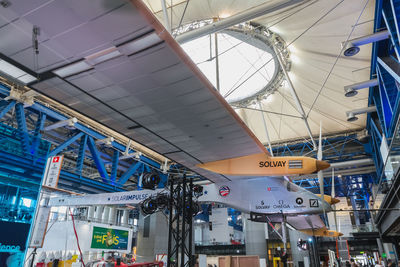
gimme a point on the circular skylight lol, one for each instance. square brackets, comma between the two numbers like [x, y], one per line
[247, 66]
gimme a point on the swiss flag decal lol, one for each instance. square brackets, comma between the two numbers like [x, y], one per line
[56, 159]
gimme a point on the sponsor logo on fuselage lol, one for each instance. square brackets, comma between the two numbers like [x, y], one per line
[129, 197]
[299, 202]
[224, 191]
[271, 164]
[314, 203]
[281, 205]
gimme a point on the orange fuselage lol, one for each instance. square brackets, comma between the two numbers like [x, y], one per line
[264, 165]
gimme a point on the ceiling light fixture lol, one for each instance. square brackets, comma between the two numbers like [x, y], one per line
[14, 72]
[351, 114]
[352, 47]
[351, 90]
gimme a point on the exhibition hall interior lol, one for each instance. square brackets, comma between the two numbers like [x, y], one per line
[199, 133]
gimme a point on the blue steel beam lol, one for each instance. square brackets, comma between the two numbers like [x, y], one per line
[335, 146]
[37, 107]
[23, 130]
[118, 146]
[14, 161]
[6, 108]
[388, 70]
[391, 16]
[114, 167]
[64, 145]
[36, 133]
[81, 154]
[54, 115]
[385, 103]
[97, 160]
[132, 169]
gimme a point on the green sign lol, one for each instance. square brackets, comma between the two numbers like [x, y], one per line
[109, 238]
[383, 255]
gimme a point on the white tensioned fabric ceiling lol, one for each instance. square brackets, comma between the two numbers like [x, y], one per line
[312, 57]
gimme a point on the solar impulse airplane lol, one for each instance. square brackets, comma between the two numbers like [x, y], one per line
[128, 73]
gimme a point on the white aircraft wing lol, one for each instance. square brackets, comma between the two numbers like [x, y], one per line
[119, 198]
[305, 222]
[114, 62]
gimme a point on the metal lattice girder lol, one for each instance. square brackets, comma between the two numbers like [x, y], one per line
[36, 133]
[97, 160]
[6, 108]
[23, 131]
[132, 169]
[180, 233]
[337, 148]
[81, 154]
[91, 132]
[114, 167]
[390, 13]
[389, 80]
[64, 145]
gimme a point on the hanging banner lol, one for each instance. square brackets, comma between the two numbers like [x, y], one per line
[40, 227]
[109, 238]
[52, 172]
[50, 178]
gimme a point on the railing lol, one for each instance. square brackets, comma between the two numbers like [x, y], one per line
[214, 243]
[364, 228]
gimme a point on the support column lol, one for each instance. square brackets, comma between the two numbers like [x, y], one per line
[255, 238]
[112, 218]
[99, 213]
[106, 214]
[90, 215]
[125, 218]
[381, 250]
[299, 255]
[152, 237]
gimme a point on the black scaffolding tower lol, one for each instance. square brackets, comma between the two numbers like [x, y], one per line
[180, 235]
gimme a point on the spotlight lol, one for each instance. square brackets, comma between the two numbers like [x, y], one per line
[148, 206]
[302, 244]
[162, 201]
[351, 117]
[150, 180]
[351, 114]
[351, 51]
[195, 210]
[198, 190]
[350, 92]
[353, 46]
[352, 89]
